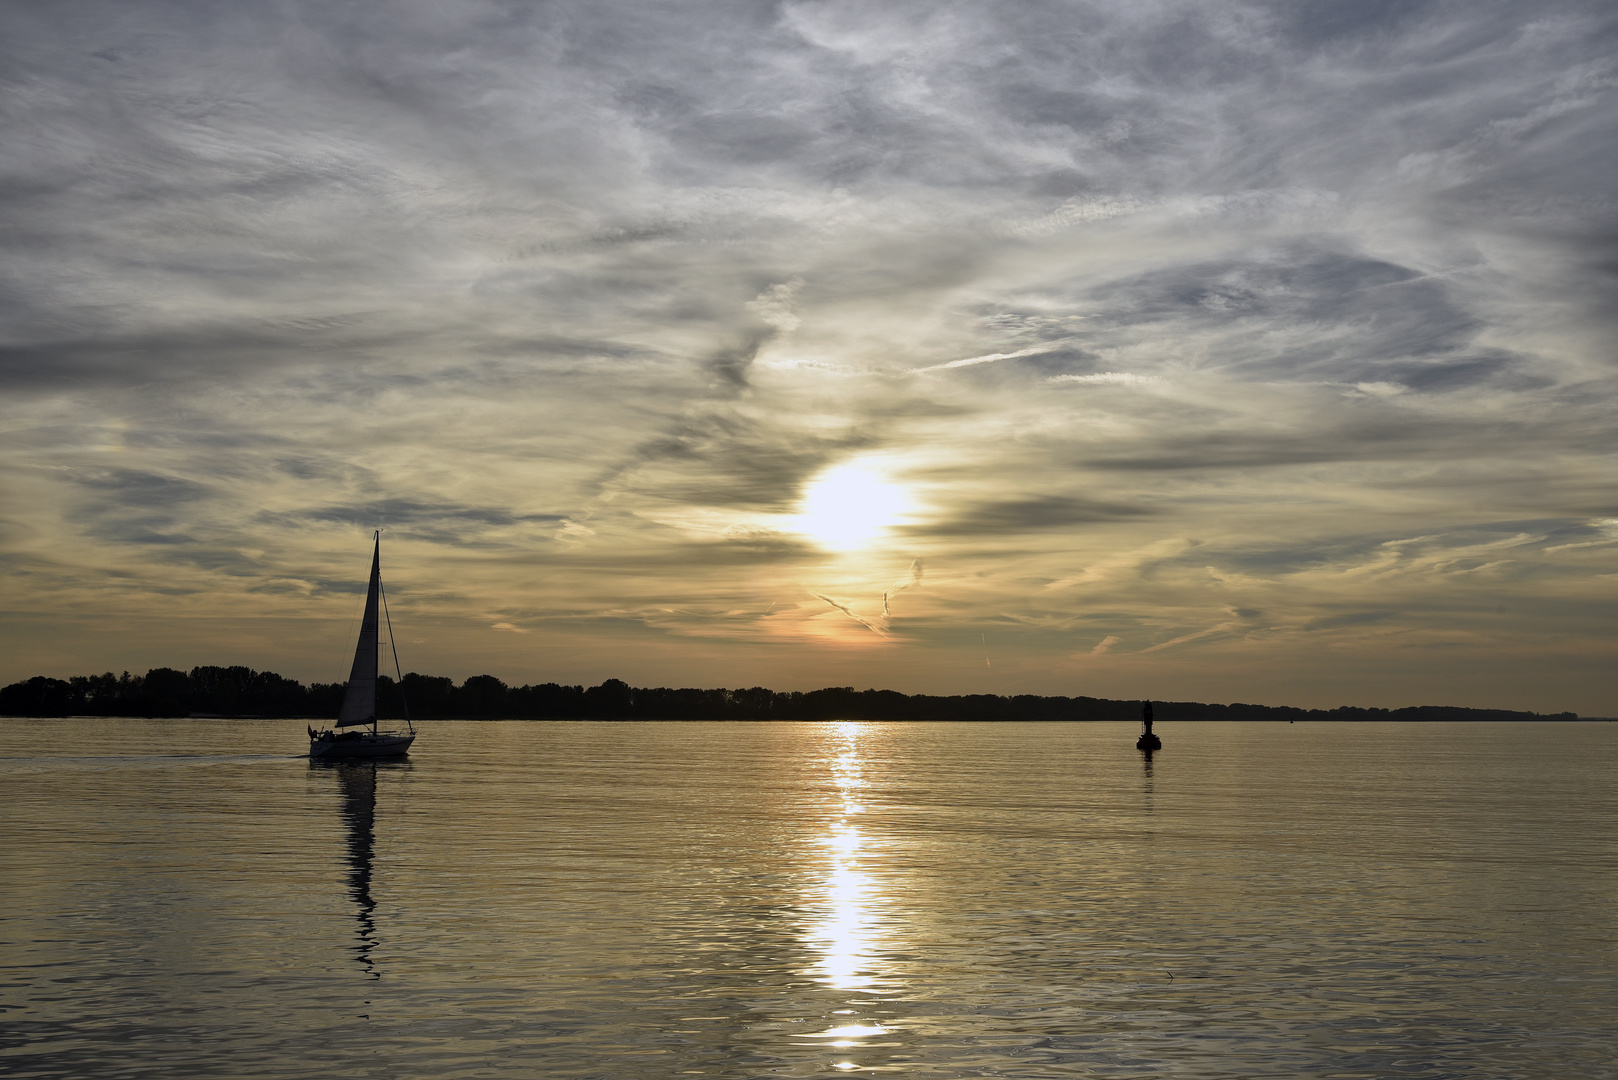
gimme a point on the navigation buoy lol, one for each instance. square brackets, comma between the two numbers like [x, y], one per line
[1147, 741]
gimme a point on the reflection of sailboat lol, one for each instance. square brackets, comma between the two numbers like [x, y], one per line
[359, 700]
[358, 783]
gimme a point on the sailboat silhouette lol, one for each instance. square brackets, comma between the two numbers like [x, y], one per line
[359, 699]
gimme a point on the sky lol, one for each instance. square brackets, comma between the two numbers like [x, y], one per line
[1211, 351]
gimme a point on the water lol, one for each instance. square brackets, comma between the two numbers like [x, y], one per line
[187, 898]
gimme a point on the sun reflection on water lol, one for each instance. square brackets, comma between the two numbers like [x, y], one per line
[843, 936]
[846, 935]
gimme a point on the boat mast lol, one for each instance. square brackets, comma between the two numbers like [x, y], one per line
[376, 568]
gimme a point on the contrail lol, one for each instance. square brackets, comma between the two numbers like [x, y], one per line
[902, 584]
[1212, 630]
[985, 640]
[850, 612]
[989, 358]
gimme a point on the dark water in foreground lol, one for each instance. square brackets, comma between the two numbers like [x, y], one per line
[187, 898]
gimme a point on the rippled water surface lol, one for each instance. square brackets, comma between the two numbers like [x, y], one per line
[190, 898]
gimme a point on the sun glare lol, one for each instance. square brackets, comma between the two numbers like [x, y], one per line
[848, 506]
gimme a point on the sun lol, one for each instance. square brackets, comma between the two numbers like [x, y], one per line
[849, 506]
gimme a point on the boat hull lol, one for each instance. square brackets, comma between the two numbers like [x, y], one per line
[366, 746]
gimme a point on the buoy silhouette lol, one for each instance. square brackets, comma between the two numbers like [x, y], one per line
[1147, 741]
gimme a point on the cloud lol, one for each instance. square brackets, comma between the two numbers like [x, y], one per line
[911, 580]
[1106, 378]
[846, 608]
[574, 301]
[1021, 516]
[989, 358]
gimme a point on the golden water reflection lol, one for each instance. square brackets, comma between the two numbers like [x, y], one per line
[846, 937]
[844, 934]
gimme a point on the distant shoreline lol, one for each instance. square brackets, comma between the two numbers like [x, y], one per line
[243, 693]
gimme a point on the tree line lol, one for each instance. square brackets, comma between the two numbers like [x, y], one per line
[243, 692]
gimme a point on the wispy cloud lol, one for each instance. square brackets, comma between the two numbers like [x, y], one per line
[846, 607]
[1175, 310]
[1106, 378]
[911, 580]
[989, 358]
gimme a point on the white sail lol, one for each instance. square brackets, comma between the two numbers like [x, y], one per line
[359, 701]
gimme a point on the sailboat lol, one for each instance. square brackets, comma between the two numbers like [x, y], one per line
[359, 700]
